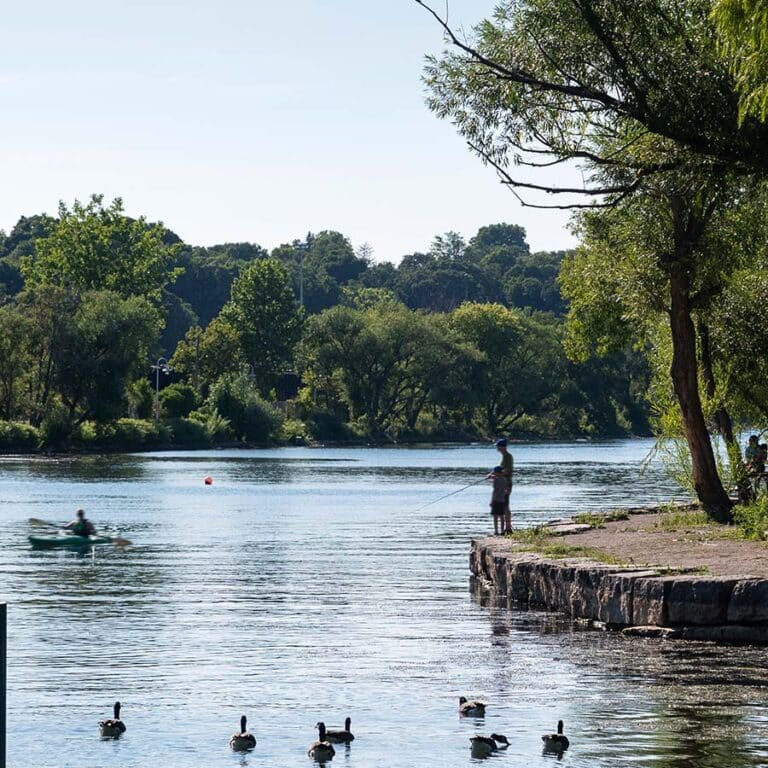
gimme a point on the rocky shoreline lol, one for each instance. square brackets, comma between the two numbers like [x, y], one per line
[649, 600]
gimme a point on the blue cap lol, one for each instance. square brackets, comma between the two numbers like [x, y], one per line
[501, 442]
[496, 470]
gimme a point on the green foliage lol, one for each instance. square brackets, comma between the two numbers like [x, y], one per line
[741, 343]
[140, 399]
[204, 355]
[66, 344]
[18, 437]
[545, 81]
[321, 265]
[104, 345]
[325, 425]
[674, 520]
[294, 431]
[144, 434]
[382, 361]
[204, 286]
[188, 433]
[742, 27]
[93, 247]
[20, 242]
[251, 418]
[752, 519]
[532, 281]
[217, 428]
[178, 400]
[521, 363]
[263, 312]
[15, 329]
[57, 428]
[124, 435]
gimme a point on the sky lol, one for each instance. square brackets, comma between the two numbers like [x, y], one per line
[245, 121]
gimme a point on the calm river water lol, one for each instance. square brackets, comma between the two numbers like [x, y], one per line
[306, 585]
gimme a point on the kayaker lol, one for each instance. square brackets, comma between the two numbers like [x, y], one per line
[81, 526]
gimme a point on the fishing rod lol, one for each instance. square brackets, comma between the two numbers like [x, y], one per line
[452, 493]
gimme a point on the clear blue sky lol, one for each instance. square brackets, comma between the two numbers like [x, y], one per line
[235, 120]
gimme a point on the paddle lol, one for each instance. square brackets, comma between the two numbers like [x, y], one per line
[42, 523]
[118, 541]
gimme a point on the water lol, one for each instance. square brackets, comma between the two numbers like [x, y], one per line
[304, 585]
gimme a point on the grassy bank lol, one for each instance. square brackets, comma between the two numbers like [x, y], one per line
[675, 536]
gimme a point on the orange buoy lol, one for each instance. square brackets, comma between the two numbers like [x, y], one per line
[208, 480]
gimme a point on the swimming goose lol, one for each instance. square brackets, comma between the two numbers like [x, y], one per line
[114, 727]
[321, 750]
[471, 708]
[556, 742]
[337, 736]
[484, 746]
[242, 741]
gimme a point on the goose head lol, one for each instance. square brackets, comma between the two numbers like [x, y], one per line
[243, 722]
[116, 710]
[321, 731]
[348, 724]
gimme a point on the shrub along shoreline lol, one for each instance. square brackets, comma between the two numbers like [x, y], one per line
[136, 435]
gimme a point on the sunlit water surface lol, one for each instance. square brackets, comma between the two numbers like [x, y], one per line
[310, 584]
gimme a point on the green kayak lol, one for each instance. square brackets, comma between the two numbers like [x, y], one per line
[67, 540]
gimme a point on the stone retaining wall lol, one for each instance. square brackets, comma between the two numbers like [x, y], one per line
[636, 601]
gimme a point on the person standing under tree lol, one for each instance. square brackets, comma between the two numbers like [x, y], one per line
[507, 467]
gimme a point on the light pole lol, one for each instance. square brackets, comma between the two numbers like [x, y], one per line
[160, 365]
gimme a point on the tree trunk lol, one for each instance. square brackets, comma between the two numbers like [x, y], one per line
[684, 370]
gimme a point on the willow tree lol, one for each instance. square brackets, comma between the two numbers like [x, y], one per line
[636, 93]
[743, 30]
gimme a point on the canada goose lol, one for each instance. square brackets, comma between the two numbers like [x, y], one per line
[242, 741]
[114, 727]
[337, 736]
[321, 750]
[471, 708]
[556, 742]
[483, 746]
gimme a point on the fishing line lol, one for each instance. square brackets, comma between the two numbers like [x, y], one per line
[452, 493]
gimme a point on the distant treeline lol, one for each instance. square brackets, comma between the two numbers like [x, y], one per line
[314, 340]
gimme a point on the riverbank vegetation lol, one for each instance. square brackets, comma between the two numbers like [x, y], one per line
[313, 341]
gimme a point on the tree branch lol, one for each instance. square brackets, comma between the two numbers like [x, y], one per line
[524, 78]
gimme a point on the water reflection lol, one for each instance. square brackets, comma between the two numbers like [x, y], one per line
[670, 703]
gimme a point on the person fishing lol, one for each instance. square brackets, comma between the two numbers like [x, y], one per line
[81, 526]
[507, 466]
[499, 499]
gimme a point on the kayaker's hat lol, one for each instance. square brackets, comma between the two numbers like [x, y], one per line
[501, 443]
[81, 513]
